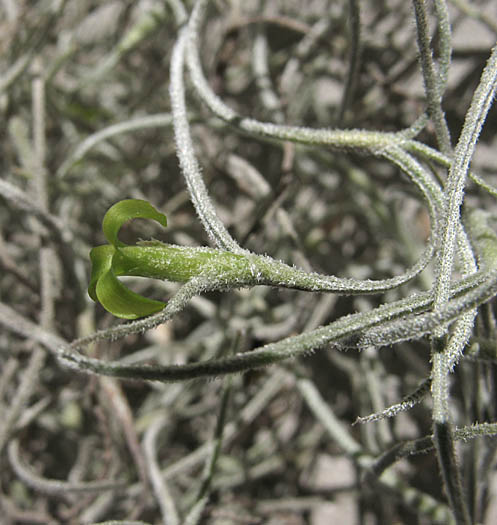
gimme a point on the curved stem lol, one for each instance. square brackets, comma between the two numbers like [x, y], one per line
[187, 159]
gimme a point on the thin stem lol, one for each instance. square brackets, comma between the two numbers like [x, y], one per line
[151, 121]
[160, 488]
[175, 305]
[407, 403]
[260, 67]
[324, 414]
[217, 443]
[425, 444]
[414, 146]
[354, 47]
[188, 161]
[371, 141]
[431, 80]
[346, 328]
[55, 487]
[444, 441]
[445, 42]
[475, 118]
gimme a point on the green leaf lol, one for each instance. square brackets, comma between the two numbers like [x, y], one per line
[104, 285]
[124, 211]
[121, 301]
[112, 294]
[101, 262]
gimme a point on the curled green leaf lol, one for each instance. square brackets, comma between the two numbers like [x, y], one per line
[101, 263]
[104, 285]
[124, 211]
[121, 301]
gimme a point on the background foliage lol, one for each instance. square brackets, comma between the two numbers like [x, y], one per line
[88, 121]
